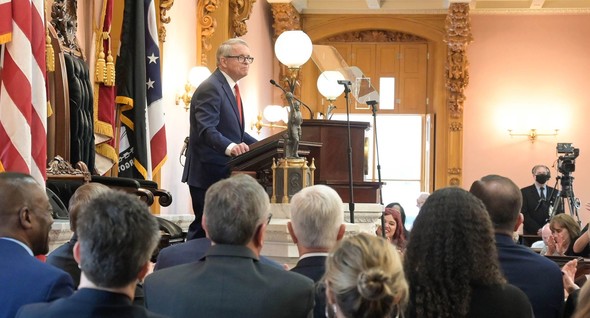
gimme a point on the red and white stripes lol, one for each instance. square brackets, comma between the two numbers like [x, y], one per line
[23, 98]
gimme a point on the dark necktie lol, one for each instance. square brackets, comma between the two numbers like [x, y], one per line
[238, 101]
[542, 193]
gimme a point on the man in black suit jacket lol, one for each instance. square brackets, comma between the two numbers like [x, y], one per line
[117, 236]
[230, 281]
[537, 198]
[216, 126]
[537, 276]
[316, 224]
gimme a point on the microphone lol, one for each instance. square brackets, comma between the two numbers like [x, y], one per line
[344, 82]
[290, 95]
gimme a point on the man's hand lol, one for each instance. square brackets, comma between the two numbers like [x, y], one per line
[239, 149]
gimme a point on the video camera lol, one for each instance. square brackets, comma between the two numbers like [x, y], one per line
[566, 163]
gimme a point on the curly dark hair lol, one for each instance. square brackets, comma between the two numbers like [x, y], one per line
[451, 250]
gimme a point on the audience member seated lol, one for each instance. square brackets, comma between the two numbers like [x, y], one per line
[230, 281]
[394, 232]
[25, 212]
[538, 277]
[365, 278]
[116, 237]
[421, 199]
[402, 212]
[316, 224]
[452, 265]
[193, 251]
[571, 288]
[583, 305]
[565, 232]
[63, 256]
[541, 245]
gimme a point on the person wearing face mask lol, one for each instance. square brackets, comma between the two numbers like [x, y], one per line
[536, 201]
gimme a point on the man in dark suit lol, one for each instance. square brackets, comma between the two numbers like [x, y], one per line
[230, 281]
[117, 235]
[316, 224]
[193, 251]
[537, 276]
[216, 126]
[25, 212]
[537, 198]
[63, 256]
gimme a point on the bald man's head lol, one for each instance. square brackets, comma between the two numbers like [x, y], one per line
[502, 199]
[25, 211]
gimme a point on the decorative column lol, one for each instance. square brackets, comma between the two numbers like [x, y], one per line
[458, 36]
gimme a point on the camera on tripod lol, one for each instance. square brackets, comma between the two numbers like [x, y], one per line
[566, 163]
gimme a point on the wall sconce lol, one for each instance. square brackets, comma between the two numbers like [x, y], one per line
[272, 114]
[330, 89]
[532, 134]
[196, 76]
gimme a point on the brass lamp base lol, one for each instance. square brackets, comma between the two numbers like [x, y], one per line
[290, 176]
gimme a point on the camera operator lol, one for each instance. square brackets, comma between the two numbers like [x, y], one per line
[536, 201]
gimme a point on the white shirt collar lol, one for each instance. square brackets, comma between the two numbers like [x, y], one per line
[28, 249]
[306, 255]
[229, 80]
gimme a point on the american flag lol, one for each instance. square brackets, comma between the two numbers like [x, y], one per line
[23, 99]
[157, 130]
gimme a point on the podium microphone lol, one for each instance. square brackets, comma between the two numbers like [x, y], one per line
[290, 95]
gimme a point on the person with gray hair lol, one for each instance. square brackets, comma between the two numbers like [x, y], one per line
[230, 281]
[316, 225]
[116, 238]
[216, 126]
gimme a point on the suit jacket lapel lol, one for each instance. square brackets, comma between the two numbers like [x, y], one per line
[229, 93]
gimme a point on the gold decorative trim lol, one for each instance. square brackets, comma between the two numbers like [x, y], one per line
[240, 10]
[285, 18]
[458, 36]
[207, 24]
[454, 171]
[455, 182]
[456, 126]
[165, 5]
[375, 36]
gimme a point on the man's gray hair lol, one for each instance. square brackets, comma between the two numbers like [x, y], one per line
[234, 208]
[117, 235]
[316, 216]
[226, 47]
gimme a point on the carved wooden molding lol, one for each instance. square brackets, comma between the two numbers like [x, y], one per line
[456, 126]
[240, 11]
[207, 24]
[458, 36]
[65, 21]
[375, 36]
[58, 168]
[285, 18]
[165, 5]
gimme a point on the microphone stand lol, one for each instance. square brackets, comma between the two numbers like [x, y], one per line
[373, 105]
[350, 184]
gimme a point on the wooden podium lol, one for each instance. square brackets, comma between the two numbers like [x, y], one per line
[326, 142]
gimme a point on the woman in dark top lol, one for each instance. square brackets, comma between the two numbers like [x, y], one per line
[400, 208]
[565, 231]
[451, 262]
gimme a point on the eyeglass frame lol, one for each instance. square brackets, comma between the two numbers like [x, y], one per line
[242, 58]
[269, 218]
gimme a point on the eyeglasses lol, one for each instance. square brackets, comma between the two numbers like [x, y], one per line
[269, 218]
[242, 59]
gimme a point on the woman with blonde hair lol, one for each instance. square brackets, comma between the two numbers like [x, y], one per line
[365, 278]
